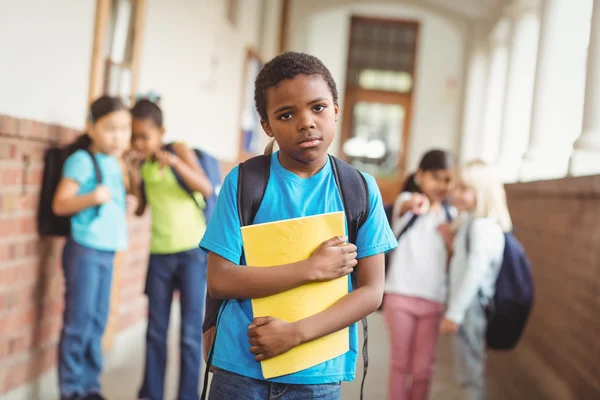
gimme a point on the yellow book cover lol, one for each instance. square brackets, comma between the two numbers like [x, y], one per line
[288, 241]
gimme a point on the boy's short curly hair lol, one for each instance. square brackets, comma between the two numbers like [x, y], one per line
[288, 66]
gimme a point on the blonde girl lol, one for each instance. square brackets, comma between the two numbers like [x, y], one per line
[480, 199]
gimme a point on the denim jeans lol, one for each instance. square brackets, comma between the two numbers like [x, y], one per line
[470, 348]
[185, 271]
[229, 386]
[88, 275]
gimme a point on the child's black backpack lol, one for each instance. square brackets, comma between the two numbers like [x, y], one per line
[50, 224]
[509, 310]
[253, 178]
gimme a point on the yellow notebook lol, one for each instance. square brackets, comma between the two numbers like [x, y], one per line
[288, 241]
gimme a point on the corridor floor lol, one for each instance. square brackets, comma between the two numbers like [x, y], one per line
[121, 381]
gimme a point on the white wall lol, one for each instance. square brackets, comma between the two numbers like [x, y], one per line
[46, 50]
[201, 106]
[321, 28]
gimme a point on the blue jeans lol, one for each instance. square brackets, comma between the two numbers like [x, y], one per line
[226, 385]
[88, 275]
[185, 271]
[471, 352]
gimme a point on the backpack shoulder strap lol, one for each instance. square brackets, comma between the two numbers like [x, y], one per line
[447, 212]
[406, 227]
[169, 147]
[354, 191]
[97, 172]
[253, 178]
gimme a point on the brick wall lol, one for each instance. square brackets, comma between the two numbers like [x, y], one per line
[558, 222]
[31, 281]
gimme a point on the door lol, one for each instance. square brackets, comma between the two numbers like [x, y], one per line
[378, 99]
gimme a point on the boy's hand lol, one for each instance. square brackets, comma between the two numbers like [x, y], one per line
[332, 259]
[271, 337]
[166, 158]
[101, 195]
[449, 327]
[419, 204]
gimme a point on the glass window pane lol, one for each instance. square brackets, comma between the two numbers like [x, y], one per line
[375, 144]
[381, 46]
[385, 80]
[119, 32]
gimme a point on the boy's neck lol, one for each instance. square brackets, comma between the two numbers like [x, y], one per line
[302, 169]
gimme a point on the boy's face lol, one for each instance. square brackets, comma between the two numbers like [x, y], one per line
[302, 117]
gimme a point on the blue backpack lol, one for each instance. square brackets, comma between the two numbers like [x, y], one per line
[212, 169]
[508, 312]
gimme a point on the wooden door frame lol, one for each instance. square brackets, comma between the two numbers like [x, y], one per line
[357, 95]
[388, 186]
[98, 64]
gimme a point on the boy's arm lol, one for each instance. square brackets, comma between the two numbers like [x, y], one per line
[270, 337]
[374, 238]
[227, 280]
[187, 166]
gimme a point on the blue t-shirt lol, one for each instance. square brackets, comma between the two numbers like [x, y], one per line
[287, 196]
[108, 229]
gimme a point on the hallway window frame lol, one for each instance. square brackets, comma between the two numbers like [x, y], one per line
[381, 69]
[116, 49]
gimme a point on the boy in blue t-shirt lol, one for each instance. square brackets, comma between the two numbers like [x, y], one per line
[297, 100]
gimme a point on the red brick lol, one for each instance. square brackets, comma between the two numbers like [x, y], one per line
[9, 276]
[20, 373]
[27, 225]
[558, 226]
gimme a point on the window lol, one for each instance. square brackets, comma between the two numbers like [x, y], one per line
[379, 82]
[119, 49]
[116, 48]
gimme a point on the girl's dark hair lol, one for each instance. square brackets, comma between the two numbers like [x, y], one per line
[147, 109]
[287, 66]
[100, 108]
[433, 160]
[103, 106]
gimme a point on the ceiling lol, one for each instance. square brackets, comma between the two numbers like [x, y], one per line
[471, 9]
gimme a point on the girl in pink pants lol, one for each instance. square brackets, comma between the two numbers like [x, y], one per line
[415, 289]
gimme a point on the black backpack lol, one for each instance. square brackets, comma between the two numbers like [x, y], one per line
[50, 224]
[253, 178]
[508, 311]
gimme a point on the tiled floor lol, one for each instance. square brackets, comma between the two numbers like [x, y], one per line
[121, 382]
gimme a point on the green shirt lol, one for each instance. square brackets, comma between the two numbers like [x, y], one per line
[177, 222]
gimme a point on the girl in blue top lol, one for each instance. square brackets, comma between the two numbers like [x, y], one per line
[297, 101]
[98, 230]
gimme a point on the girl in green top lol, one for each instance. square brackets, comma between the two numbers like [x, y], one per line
[176, 262]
